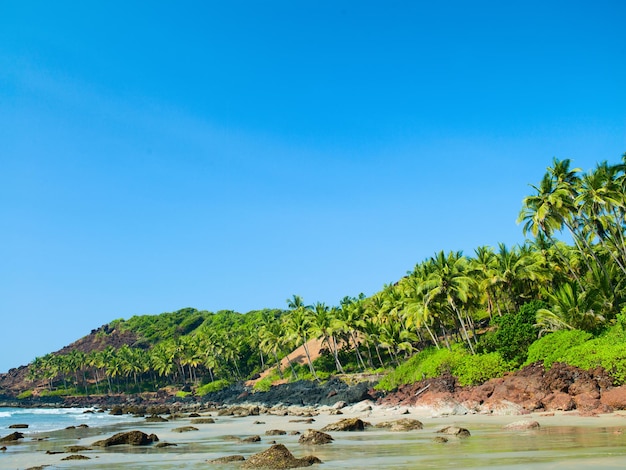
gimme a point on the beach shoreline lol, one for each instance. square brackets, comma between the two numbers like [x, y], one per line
[226, 436]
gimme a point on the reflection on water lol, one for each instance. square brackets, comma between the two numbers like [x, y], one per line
[550, 447]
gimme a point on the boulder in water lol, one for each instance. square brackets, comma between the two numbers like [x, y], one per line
[403, 424]
[133, 438]
[523, 425]
[313, 437]
[13, 437]
[278, 457]
[347, 424]
[455, 431]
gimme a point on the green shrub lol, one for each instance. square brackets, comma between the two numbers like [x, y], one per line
[555, 347]
[514, 334]
[426, 364]
[212, 387]
[25, 394]
[472, 370]
[265, 383]
[61, 392]
[467, 368]
[181, 394]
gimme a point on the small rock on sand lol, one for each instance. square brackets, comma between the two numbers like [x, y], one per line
[455, 431]
[228, 459]
[522, 425]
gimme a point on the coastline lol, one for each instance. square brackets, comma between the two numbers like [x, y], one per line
[372, 448]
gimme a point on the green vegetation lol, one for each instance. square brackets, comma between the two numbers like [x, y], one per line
[265, 383]
[474, 316]
[580, 349]
[211, 387]
[514, 333]
[469, 369]
[25, 394]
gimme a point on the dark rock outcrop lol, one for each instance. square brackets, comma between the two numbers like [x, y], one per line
[76, 457]
[133, 438]
[13, 437]
[300, 393]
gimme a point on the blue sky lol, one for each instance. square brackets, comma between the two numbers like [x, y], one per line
[226, 155]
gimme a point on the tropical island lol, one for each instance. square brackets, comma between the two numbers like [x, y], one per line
[539, 326]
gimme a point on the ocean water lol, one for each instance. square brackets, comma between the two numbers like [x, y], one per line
[51, 419]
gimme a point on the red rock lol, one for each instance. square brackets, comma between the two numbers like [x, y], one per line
[559, 401]
[615, 398]
[586, 402]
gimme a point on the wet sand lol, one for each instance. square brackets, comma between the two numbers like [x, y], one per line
[564, 440]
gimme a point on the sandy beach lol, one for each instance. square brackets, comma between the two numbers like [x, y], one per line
[563, 440]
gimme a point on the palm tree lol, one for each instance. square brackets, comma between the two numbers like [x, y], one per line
[597, 202]
[484, 268]
[299, 326]
[324, 324]
[547, 211]
[450, 284]
[162, 358]
[350, 319]
[570, 309]
[271, 338]
[417, 312]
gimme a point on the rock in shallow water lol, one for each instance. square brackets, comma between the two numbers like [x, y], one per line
[347, 424]
[455, 431]
[185, 429]
[313, 437]
[523, 425]
[13, 437]
[133, 438]
[279, 457]
[404, 424]
[228, 459]
[76, 457]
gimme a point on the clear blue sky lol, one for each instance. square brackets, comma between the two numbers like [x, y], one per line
[226, 155]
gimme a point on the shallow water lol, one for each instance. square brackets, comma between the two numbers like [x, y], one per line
[50, 419]
[590, 442]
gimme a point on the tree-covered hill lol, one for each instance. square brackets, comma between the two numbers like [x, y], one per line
[476, 315]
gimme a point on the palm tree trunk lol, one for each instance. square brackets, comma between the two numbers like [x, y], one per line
[460, 317]
[432, 336]
[280, 372]
[358, 353]
[308, 358]
[336, 354]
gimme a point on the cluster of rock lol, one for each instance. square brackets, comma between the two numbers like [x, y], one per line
[562, 388]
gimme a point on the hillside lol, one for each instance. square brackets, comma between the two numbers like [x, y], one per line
[16, 380]
[478, 317]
